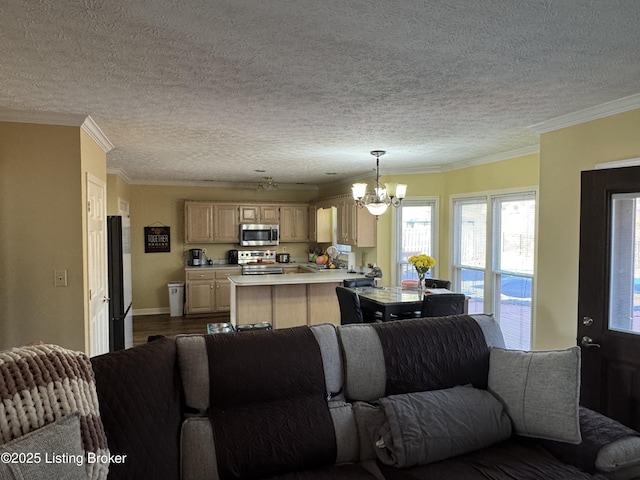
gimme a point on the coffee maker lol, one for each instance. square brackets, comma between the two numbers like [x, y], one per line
[232, 257]
[195, 257]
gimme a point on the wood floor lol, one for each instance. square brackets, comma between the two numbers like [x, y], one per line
[146, 325]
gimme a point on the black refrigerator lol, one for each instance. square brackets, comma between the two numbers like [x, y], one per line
[120, 312]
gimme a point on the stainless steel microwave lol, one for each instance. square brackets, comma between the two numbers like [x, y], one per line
[252, 234]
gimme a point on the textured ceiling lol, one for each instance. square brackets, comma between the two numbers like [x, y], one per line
[213, 90]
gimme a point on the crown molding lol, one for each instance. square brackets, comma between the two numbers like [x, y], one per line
[607, 109]
[94, 131]
[120, 173]
[44, 118]
[64, 119]
[214, 184]
[629, 162]
[494, 157]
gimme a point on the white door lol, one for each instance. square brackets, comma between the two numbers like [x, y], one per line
[97, 266]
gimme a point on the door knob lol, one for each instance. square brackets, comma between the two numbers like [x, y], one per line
[587, 321]
[587, 342]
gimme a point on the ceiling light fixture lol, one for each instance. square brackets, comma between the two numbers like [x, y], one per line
[378, 202]
[268, 184]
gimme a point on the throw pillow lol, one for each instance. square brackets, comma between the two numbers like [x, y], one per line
[623, 453]
[40, 384]
[540, 391]
[53, 451]
[424, 427]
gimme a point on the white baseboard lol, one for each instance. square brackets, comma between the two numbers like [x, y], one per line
[151, 311]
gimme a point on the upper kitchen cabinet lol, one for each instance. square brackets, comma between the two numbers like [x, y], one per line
[198, 218]
[209, 222]
[267, 214]
[356, 226]
[225, 223]
[294, 223]
[313, 223]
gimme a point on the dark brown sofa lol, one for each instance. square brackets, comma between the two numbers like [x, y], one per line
[323, 402]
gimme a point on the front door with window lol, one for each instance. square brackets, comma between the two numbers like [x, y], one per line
[609, 293]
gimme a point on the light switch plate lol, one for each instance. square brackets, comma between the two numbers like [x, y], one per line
[60, 278]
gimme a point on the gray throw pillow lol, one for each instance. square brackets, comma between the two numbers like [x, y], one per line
[53, 451]
[419, 428]
[623, 453]
[540, 390]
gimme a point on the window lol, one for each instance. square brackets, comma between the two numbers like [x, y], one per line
[624, 290]
[494, 259]
[470, 220]
[416, 230]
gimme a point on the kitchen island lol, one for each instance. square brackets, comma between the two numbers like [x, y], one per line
[287, 300]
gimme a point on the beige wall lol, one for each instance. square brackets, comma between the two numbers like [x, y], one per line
[117, 188]
[563, 155]
[164, 205]
[40, 231]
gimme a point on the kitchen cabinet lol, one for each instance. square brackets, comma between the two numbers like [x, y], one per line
[198, 217]
[218, 222]
[287, 305]
[356, 226]
[225, 223]
[294, 223]
[313, 223]
[209, 222]
[266, 214]
[209, 290]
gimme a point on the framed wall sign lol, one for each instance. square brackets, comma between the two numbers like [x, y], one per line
[157, 239]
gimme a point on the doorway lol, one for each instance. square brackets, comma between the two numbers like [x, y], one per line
[97, 266]
[609, 293]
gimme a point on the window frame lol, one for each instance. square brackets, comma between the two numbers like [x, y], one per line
[396, 243]
[492, 272]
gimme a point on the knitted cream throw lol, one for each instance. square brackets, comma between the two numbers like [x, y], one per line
[42, 383]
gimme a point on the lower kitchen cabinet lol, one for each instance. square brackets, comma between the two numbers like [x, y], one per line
[208, 290]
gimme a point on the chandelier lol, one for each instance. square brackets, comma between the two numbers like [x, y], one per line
[268, 184]
[377, 202]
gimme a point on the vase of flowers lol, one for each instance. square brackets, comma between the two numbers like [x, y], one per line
[422, 263]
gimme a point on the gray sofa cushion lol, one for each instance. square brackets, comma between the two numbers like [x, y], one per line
[540, 391]
[414, 355]
[53, 451]
[194, 368]
[425, 427]
[269, 409]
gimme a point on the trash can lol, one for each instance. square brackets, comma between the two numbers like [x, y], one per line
[176, 298]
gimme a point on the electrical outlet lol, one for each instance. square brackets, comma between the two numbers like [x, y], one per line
[60, 278]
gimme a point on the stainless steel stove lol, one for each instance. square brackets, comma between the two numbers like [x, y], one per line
[259, 262]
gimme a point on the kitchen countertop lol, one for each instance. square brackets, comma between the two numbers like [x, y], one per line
[216, 266]
[321, 276]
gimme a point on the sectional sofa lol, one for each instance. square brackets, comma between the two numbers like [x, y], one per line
[434, 398]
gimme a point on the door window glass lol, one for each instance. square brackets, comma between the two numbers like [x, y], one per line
[624, 291]
[415, 233]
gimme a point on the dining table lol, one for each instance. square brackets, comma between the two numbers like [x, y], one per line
[390, 303]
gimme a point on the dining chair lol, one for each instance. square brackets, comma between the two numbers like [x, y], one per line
[359, 282]
[436, 283]
[350, 310]
[443, 304]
